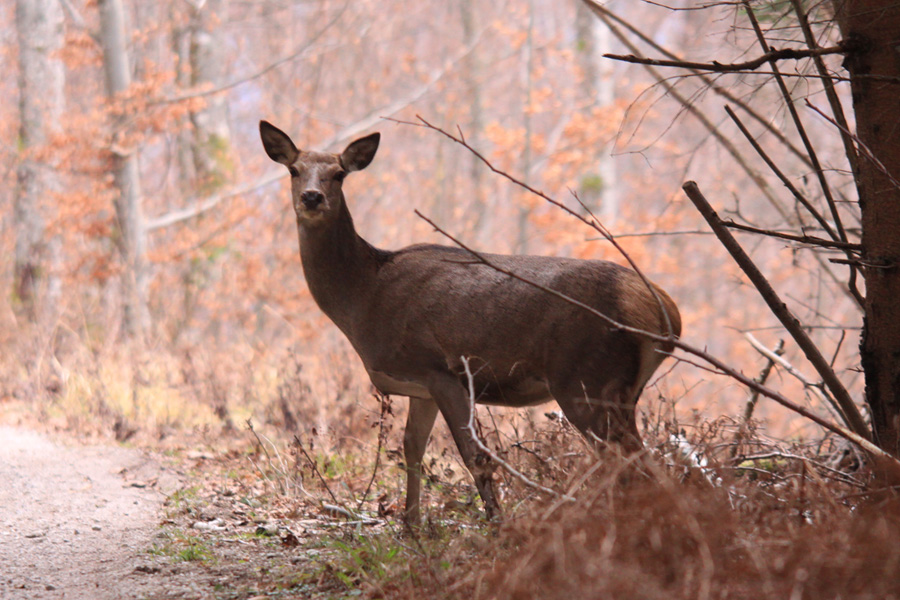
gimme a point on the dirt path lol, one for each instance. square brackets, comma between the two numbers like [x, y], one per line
[73, 524]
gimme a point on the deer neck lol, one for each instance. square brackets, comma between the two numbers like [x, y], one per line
[339, 266]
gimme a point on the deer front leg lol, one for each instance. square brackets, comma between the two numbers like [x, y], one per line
[419, 423]
[454, 404]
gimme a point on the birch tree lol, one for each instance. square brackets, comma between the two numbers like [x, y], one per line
[131, 232]
[39, 24]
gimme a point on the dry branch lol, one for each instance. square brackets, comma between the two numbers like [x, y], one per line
[493, 455]
[715, 66]
[754, 398]
[779, 309]
[605, 14]
[800, 239]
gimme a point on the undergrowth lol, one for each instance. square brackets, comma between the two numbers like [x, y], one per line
[301, 462]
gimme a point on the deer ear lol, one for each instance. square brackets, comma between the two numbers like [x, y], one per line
[278, 145]
[360, 153]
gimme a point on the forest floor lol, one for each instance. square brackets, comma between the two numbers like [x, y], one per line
[226, 513]
[105, 521]
[76, 521]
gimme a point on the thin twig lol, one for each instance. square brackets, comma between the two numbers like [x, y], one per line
[754, 398]
[778, 359]
[801, 130]
[315, 468]
[828, 84]
[781, 176]
[385, 410]
[493, 455]
[802, 239]
[602, 11]
[698, 114]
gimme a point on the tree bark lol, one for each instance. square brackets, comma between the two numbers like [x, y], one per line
[39, 24]
[132, 235]
[872, 27]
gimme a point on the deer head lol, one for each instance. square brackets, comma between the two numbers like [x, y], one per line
[317, 177]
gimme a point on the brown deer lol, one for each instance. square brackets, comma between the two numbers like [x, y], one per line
[417, 315]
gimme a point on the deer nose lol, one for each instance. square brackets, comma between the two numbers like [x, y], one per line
[311, 199]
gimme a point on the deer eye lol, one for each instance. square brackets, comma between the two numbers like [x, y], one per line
[339, 176]
[294, 171]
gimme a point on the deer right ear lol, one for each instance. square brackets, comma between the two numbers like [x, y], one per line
[360, 153]
[278, 145]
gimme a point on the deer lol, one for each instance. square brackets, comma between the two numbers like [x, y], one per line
[432, 323]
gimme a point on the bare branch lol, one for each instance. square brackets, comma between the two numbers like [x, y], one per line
[754, 398]
[689, 107]
[602, 11]
[779, 309]
[801, 130]
[801, 239]
[493, 455]
[827, 82]
[777, 358]
[769, 57]
[778, 173]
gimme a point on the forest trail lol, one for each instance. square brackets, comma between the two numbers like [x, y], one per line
[76, 522]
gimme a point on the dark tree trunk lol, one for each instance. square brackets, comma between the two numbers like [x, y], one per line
[872, 27]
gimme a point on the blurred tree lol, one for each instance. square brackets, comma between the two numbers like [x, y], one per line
[132, 237]
[210, 134]
[597, 189]
[39, 24]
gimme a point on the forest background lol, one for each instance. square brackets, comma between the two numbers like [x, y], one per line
[211, 269]
[150, 267]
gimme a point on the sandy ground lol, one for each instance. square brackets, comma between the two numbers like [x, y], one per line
[76, 522]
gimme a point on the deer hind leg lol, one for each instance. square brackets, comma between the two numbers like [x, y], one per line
[602, 413]
[454, 404]
[419, 423]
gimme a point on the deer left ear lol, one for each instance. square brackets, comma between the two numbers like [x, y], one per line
[360, 153]
[278, 144]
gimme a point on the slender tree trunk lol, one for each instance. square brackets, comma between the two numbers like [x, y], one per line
[873, 29]
[132, 236]
[524, 211]
[593, 39]
[472, 70]
[211, 144]
[39, 24]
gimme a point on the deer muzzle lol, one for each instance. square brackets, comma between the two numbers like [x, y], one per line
[312, 199]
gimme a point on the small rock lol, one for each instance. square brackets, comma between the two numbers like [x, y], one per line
[148, 569]
[214, 525]
[267, 529]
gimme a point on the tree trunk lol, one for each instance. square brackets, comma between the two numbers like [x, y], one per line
[211, 144]
[132, 236]
[599, 191]
[39, 24]
[872, 28]
[472, 73]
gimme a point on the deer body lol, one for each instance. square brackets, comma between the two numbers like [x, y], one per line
[413, 314]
